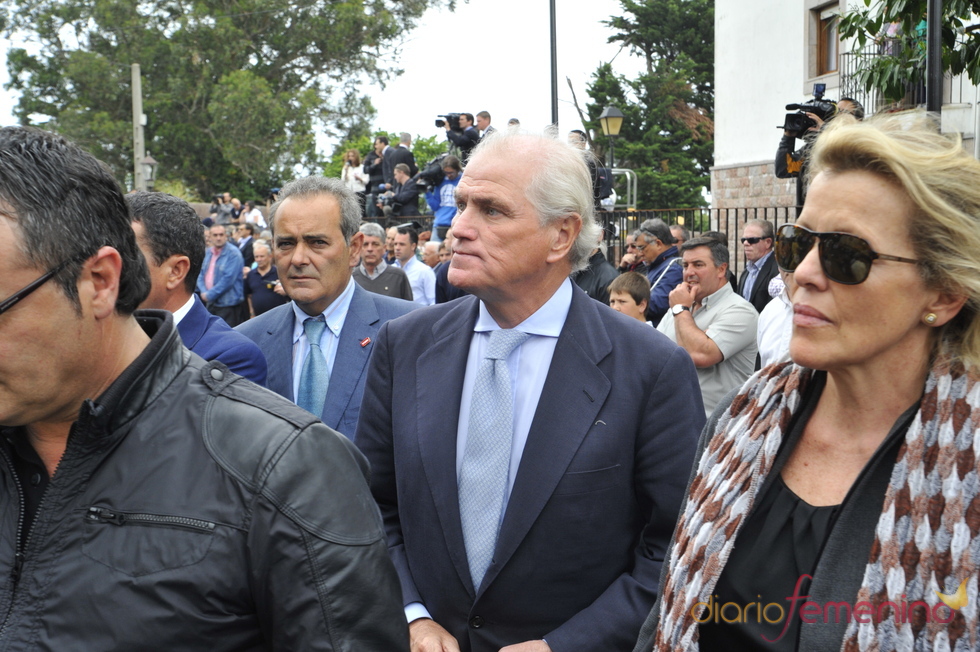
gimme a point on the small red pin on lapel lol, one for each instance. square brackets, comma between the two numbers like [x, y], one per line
[365, 342]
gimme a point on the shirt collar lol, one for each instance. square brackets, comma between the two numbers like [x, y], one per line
[378, 269]
[757, 265]
[181, 312]
[548, 320]
[717, 296]
[334, 315]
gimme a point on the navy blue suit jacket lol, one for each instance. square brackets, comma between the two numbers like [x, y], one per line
[595, 499]
[211, 338]
[273, 332]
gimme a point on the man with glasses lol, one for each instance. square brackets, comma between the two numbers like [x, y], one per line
[760, 268]
[711, 322]
[655, 245]
[149, 498]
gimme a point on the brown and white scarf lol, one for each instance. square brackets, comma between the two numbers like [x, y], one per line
[927, 538]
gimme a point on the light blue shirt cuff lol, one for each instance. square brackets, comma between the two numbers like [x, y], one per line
[416, 610]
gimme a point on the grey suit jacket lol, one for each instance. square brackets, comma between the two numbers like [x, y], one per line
[273, 332]
[596, 494]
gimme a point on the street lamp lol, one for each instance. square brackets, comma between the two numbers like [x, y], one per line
[611, 121]
[149, 171]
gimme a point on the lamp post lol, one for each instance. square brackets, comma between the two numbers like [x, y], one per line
[149, 169]
[611, 121]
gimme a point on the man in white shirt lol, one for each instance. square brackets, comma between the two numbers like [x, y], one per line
[420, 275]
[711, 322]
[528, 469]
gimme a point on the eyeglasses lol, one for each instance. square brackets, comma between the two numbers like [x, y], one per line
[639, 247]
[752, 240]
[630, 245]
[844, 258]
[15, 298]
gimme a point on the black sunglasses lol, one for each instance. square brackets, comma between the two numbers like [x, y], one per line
[15, 298]
[844, 258]
[753, 240]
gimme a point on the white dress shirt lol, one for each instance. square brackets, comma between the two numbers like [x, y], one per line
[422, 279]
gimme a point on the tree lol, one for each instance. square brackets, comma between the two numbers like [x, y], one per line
[232, 88]
[667, 135]
[897, 28]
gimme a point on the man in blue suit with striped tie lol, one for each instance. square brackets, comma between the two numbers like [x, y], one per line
[317, 346]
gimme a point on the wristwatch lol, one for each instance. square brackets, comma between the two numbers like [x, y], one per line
[678, 309]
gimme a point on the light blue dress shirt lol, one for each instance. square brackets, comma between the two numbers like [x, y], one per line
[335, 315]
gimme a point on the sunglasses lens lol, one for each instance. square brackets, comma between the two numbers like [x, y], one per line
[845, 258]
[792, 246]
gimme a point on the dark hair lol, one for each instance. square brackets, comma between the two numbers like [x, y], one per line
[718, 249]
[858, 111]
[171, 228]
[579, 133]
[404, 169]
[381, 139]
[452, 163]
[720, 236]
[413, 235]
[66, 205]
[469, 116]
[248, 226]
[634, 284]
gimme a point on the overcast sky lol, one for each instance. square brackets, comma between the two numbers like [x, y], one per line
[488, 55]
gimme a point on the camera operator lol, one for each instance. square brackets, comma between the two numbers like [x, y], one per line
[790, 163]
[465, 139]
[442, 197]
[403, 198]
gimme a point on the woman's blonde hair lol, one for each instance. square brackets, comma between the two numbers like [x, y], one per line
[357, 156]
[943, 182]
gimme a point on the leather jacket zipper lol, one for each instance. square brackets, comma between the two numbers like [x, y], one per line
[19, 549]
[103, 515]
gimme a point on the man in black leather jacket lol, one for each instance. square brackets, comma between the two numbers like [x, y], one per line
[151, 500]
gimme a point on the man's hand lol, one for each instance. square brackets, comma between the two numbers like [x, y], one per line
[429, 636]
[278, 289]
[817, 119]
[528, 646]
[683, 294]
[627, 260]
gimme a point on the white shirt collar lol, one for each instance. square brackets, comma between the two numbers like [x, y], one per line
[181, 312]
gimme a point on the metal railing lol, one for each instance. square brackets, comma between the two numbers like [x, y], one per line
[730, 221]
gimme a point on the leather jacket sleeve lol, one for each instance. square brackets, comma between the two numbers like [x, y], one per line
[322, 577]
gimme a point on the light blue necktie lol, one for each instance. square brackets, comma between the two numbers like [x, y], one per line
[315, 377]
[484, 474]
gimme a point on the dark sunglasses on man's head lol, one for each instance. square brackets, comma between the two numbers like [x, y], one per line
[844, 258]
[753, 240]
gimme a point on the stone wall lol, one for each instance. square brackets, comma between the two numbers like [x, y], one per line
[750, 185]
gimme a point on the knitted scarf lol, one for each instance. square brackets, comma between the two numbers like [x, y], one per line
[927, 538]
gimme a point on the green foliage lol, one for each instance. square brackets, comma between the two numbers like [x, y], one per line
[232, 89]
[667, 134]
[902, 60]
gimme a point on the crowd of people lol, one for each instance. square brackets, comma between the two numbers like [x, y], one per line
[320, 433]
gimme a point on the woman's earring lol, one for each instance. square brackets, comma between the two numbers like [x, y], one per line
[930, 318]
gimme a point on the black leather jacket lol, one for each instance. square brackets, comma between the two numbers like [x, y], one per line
[194, 510]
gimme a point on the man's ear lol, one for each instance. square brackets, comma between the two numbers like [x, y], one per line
[98, 285]
[567, 232]
[356, 241]
[177, 267]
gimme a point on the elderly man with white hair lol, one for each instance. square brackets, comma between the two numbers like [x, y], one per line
[529, 503]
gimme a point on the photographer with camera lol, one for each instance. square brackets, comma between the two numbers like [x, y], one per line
[441, 193]
[403, 198]
[805, 124]
[460, 130]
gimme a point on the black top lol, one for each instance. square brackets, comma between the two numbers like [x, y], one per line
[260, 287]
[775, 556]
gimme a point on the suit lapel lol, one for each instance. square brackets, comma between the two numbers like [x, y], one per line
[573, 394]
[442, 366]
[191, 328]
[279, 344]
[351, 358]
